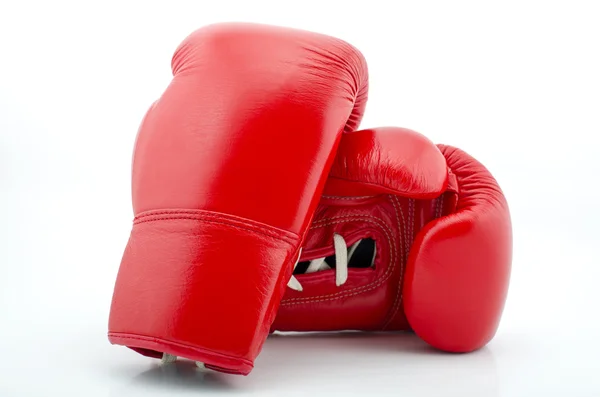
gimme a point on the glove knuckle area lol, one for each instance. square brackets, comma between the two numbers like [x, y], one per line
[390, 160]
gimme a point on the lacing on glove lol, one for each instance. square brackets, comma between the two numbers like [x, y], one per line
[343, 255]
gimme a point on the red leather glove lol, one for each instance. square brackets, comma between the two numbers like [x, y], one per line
[430, 244]
[228, 168]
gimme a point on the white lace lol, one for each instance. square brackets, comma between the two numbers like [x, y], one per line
[168, 359]
[342, 257]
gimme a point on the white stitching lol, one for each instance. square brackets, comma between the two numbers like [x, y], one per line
[404, 246]
[411, 222]
[408, 238]
[359, 290]
[346, 219]
[347, 197]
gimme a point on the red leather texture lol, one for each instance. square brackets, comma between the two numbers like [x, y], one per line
[458, 272]
[228, 168]
[443, 240]
[375, 161]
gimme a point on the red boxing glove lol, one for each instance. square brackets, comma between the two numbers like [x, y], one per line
[430, 244]
[229, 165]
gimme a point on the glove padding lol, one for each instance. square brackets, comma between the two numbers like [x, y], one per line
[228, 168]
[408, 235]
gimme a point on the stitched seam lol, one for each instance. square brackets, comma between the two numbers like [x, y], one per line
[153, 339]
[378, 281]
[202, 214]
[404, 246]
[357, 290]
[347, 198]
[346, 219]
[285, 239]
[411, 236]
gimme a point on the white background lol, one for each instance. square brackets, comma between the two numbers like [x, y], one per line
[516, 84]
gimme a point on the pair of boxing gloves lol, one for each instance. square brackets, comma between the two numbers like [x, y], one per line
[258, 207]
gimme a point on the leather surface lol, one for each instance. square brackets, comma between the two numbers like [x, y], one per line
[442, 230]
[458, 272]
[393, 160]
[252, 112]
[370, 299]
[228, 167]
